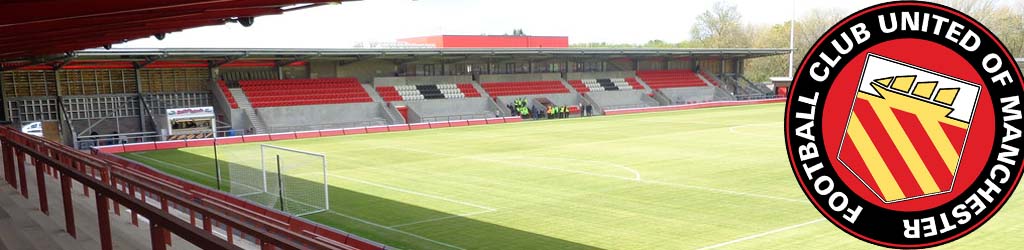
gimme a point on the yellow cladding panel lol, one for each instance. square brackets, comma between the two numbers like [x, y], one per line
[924, 89]
[884, 81]
[903, 83]
[946, 96]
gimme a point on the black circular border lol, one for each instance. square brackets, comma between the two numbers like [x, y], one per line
[876, 230]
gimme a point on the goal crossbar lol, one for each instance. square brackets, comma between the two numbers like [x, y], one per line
[263, 168]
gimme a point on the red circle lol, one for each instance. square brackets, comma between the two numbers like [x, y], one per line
[803, 65]
[931, 56]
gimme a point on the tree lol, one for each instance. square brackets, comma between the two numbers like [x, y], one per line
[720, 27]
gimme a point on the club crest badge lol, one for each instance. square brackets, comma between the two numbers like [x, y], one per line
[902, 125]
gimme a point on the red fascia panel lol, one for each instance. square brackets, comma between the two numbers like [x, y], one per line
[513, 119]
[136, 147]
[229, 140]
[476, 122]
[443, 124]
[111, 149]
[355, 131]
[458, 123]
[399, 127]
[199, 142]
[170, 144]
[495, 120]
[418, 126]
[307, 134]
[255, 138]
[332, 132]
[282, 136]
[376, 129]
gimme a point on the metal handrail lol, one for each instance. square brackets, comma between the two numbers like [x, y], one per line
[103, 177]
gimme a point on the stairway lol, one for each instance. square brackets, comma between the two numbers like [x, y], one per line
[243, 103]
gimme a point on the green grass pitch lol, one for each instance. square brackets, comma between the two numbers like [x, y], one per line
[709, 178]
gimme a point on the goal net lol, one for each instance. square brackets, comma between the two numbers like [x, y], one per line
[291, 180]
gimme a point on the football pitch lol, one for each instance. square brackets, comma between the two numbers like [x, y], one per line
[694, 179]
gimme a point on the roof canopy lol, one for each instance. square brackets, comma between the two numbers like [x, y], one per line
[41, 28]
[128, 58]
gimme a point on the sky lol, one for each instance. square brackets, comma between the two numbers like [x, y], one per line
[611, 21]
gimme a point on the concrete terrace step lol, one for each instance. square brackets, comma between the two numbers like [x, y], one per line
[30, 229]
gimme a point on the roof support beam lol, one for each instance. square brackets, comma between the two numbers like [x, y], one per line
[226, 60]
[293, 60]
[149, 60]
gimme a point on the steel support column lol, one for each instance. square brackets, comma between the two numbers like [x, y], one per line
[44, 205]
[21, 173]
[69, 210]
[103, 215]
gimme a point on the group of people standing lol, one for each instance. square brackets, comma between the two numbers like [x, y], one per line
[520, 107]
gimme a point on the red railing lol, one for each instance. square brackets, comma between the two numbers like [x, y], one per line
[121, 181]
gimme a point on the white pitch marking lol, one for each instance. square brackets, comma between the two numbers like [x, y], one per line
[462, 215]
[329, 211]
[759, 235]
[723, 191]
[414, 192]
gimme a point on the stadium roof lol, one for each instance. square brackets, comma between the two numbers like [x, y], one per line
[143, 57]
[40, 28]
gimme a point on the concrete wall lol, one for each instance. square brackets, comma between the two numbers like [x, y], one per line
[520, 77]
[367, 70]
[323, 69]
[312, 117]
[690, 94]
[622, 99]
[450, 109]
[596, 75]
[417, 80]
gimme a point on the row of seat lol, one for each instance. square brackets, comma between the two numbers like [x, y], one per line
[604, 84]
[299, 102]
[427, 91]
[347, 80]
[227, 93]
[524, 88]
[659, 79]
[293, 92]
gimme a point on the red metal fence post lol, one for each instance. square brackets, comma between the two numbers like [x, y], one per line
[9, 164]
[135, 215]
[103, 214]
[21, 173]
[156, 236]
[44, 204]
[69, 210]
[163, 206]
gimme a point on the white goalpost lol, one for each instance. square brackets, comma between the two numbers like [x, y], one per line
[291, 180]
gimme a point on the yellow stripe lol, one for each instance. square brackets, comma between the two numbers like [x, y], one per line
[903, 144]
[875, 164]
[941, 142]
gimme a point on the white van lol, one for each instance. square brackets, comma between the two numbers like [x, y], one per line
[33, 128]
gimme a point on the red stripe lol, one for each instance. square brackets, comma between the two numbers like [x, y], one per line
[956, 136]
[851, 157]
[880, 137]
[925, 148]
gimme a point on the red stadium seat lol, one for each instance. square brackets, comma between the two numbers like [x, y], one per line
[659, 79]
[295, 92]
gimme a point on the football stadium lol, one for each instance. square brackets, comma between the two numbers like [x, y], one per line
[432, 142]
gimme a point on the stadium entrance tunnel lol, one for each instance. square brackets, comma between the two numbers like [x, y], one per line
[390, 222]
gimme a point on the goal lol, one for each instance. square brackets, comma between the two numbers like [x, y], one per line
[291, 180]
